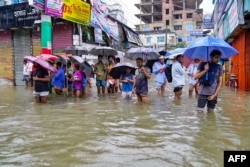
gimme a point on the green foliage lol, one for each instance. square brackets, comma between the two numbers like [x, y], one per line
[178, 45]
[87, 33]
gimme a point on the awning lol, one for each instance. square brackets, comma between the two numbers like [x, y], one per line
[132, 36]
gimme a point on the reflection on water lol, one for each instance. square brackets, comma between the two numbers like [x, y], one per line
[106, 130]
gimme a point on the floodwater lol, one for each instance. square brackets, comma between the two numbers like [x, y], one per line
[105, 130]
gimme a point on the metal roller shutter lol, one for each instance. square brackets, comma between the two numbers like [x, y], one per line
[36, 43]
[21, 48]
[6, 64]
[62, 37]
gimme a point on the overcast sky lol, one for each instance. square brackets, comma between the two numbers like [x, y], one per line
[130, 9]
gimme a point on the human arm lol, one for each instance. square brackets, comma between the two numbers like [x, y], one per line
[212, 97]
[179, 68]
[219, 83]
[145, 72]
[45, 79]
[157, 69]
[201, 72]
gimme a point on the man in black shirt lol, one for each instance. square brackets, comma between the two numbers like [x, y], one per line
[41, 84]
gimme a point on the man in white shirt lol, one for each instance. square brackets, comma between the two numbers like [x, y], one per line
[178, 74]
[27, 68]
[159, 68]
[193, 83]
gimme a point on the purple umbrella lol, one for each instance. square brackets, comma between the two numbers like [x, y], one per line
[45, 65]
[29, 58]
[41, 62]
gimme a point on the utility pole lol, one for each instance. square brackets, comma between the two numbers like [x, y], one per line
[166, 38]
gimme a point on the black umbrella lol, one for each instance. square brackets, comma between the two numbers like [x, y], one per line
[76, 50]
[150, 63]
[84, 65]
[119, 69]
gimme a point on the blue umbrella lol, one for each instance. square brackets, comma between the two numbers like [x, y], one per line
[178, 51]
[201, 48]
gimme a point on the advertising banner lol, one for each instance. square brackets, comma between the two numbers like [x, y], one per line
[105, 24]
[113, 29]
[208, 21]
[54, 8]
[233, 16]
[100, 7]
[98, 36]
[40, 4]
[76, 11]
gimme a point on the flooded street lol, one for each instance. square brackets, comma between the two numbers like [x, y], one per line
[105, 130]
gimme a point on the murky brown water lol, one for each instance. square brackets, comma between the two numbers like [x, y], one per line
[99, 131]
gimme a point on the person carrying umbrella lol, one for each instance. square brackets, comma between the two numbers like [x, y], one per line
[58, 79]
[41, 80]
[141, 81]
[127, 79]
[210, 80]
[101, 75]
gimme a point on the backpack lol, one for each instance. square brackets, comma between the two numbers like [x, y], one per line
[168, 73]
[210, 76]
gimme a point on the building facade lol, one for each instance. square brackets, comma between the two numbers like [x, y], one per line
[178, 16]
[232, 23]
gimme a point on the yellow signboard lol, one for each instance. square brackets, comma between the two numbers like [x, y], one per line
[76, 11]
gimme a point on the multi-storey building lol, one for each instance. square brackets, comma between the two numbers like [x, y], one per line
[178, 16]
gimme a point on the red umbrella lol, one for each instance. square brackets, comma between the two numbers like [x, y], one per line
[47, 57]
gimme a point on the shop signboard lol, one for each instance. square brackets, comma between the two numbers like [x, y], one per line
[40, 4]
[18, 15]
[54, 8]
[76, 11]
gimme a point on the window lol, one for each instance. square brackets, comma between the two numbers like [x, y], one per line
[167, 22]
[167, 11]
[157, 28]
[177, 27]
[148, 39]
[160, 39]
[177, 16]
[189, 38]
[189, 27]
[189, 15]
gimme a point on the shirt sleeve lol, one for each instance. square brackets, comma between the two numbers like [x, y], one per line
[189, 69]
[221, 71]
[180, 69]
[155, 68]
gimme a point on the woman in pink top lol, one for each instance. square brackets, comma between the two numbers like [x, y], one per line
[77, 81]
